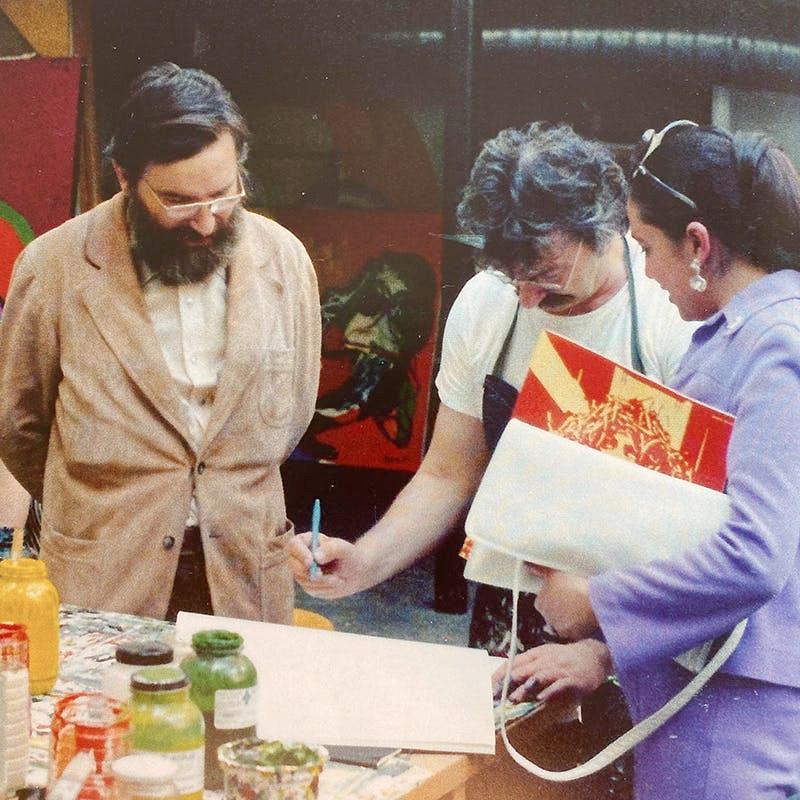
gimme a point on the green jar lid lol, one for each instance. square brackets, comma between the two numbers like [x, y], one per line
[216, 642]
[144, 653]
[158, 679]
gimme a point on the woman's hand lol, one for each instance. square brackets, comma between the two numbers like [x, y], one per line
[555, 670]
[563, 601]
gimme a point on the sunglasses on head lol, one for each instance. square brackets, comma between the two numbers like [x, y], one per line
[652, 140]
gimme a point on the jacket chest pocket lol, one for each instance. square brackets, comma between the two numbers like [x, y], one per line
[276, 389]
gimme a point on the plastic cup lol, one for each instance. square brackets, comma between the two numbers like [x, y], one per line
[271, 770]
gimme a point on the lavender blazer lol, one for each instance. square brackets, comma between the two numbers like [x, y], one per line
[744, 360]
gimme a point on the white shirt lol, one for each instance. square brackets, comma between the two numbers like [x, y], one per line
[189, 322]
[483, 312]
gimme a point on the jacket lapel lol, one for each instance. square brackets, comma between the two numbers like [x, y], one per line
[116, 305]
[253, 303]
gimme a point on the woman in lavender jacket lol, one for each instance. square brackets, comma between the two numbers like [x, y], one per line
[719, 218]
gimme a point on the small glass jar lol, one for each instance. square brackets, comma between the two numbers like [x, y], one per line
[225, 689]
[131, 657]
[276, 770]
[145, 776]
[28, 598]
[166, 722]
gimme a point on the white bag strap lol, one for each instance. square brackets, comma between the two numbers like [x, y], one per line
[630, 738]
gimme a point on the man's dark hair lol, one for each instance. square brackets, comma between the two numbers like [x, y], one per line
[170, 114]
[745, 187]
[530, 183]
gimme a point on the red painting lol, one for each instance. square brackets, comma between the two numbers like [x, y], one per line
[584, 396]
[37, 157]
[379, 275]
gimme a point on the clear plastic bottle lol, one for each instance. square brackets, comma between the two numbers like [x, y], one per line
[28, 598]
[225, 689]
[131, 657]
[166, 722]
[15, 708]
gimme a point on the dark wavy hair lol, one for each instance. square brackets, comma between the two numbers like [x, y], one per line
[529, 183]
[745, 187]
[170, 114]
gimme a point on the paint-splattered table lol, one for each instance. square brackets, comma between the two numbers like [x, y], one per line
[88, 642]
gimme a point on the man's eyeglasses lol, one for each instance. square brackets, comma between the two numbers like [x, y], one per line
[186, 211]
[549, 279]
[651, 140]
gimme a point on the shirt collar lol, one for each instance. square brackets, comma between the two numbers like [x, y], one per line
[760, 294]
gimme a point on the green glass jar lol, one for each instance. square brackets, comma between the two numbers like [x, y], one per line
[225, 689]
[167, 722]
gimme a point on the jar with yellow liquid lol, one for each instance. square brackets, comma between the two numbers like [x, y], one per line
[167, 723]
[27, 597]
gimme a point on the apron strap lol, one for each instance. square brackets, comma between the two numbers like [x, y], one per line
[636, 353]
[500, 364]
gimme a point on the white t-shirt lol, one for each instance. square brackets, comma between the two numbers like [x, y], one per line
[483, 312]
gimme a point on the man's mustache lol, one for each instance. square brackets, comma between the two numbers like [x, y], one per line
[191, 235]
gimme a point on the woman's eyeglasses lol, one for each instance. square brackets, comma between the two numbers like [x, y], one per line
[652, 140]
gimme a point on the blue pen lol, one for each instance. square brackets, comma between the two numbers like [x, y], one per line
[316, 514]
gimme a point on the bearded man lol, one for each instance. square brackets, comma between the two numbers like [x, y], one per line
[159, 359]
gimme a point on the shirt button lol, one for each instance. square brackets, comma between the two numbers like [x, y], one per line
[188, 301]
[201, 467]
[168, 542]
[193, 359]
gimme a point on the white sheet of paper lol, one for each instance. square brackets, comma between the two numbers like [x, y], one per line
[329, 687]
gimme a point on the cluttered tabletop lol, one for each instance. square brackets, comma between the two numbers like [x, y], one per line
[89, 642]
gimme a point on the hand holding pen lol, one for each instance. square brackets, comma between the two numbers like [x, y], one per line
[326, 566]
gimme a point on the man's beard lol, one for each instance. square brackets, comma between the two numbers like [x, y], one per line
[167, 253]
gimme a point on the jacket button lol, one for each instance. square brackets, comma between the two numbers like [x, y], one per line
[201, 467]
[168, 542]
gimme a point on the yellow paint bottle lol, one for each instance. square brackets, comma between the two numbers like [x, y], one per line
[28, 598]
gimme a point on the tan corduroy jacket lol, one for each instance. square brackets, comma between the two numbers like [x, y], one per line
[91, 421]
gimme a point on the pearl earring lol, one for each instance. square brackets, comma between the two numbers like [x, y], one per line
[697, 282]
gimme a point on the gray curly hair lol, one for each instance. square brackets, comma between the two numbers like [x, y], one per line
[530, 183]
